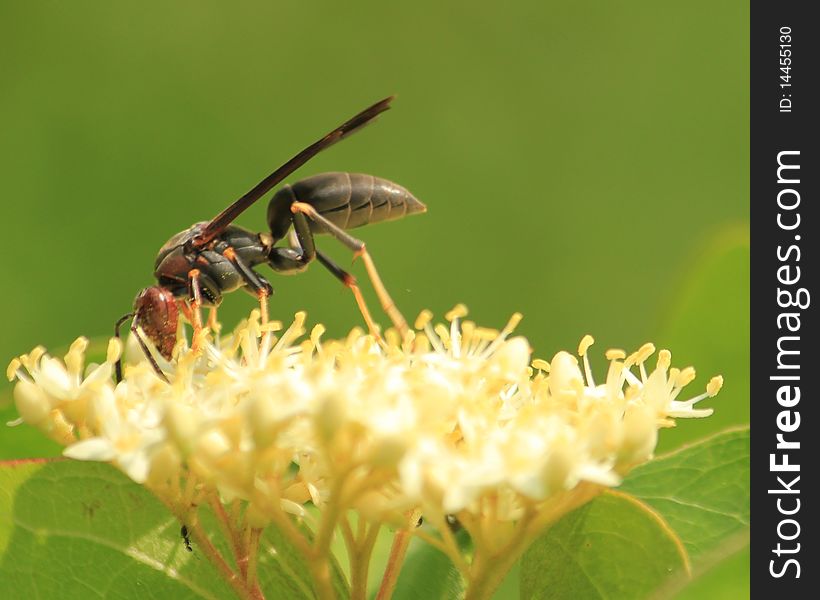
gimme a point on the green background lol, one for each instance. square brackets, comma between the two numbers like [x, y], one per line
[584, 163]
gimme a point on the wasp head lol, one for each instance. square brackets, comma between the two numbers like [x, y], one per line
[157, 314]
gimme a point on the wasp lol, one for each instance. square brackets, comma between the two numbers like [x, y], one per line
[197, 266]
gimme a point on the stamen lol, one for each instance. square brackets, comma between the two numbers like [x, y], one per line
[75, 357]
[685, 377]
[434, 339]
[455, 336]
[114, 350]
[541, 365]
[664, 360]
[459, 311]
[714, 385]
[443, 334]
[254, 326]
[631, 360]
[250, 335]
[423, 323]
[295, 330]
[408, 343]
[712, 388]
[515, 319]
[695, 400]
[355, 334]
[486, 333]
[32, 360]
[289, 506]
[392, 338]
[266, 329]
[644, 352]
[468, 337]
[586, 342]
[423, 319]
[13, 371]
[271, 326]
[631, 378]
[670, 382]
[315, 334]
[614, 379]
[483, 338]
[421, 345]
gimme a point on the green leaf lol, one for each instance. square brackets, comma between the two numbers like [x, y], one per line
[727, 581]
[23, 441]
[82, 529]
[691, 504]
[707, 325]
[702, 491]
[613, 548]
[428, 573]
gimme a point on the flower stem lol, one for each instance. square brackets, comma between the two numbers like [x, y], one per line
[490, 566]
[489, 575]
[230, 533]
[235, 581]
[489, 569]
[320, 556]
[318, 565]
[187, 515]
[451, 546]
[320, 570]
[401, 541]
[360, 563]
[435, 543]
[253, 562]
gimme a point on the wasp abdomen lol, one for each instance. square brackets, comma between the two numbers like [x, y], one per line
[348, 200]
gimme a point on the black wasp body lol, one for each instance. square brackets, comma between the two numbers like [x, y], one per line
[347, 200]
[197, 266]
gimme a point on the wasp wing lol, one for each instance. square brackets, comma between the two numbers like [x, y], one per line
[223, 219]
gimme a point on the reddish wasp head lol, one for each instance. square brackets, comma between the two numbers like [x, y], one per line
[157, 314]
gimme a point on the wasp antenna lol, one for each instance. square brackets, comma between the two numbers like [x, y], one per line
[117, 325]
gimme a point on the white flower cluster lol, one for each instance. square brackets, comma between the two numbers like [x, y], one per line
[454, 420]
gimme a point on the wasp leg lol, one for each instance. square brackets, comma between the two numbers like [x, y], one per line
[261, 288]
[194, 314]
[301, 231]
[359, 250]
[296, 258]
[185, 309]
[349, 281]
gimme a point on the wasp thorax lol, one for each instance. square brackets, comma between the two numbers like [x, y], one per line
[157, 314]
